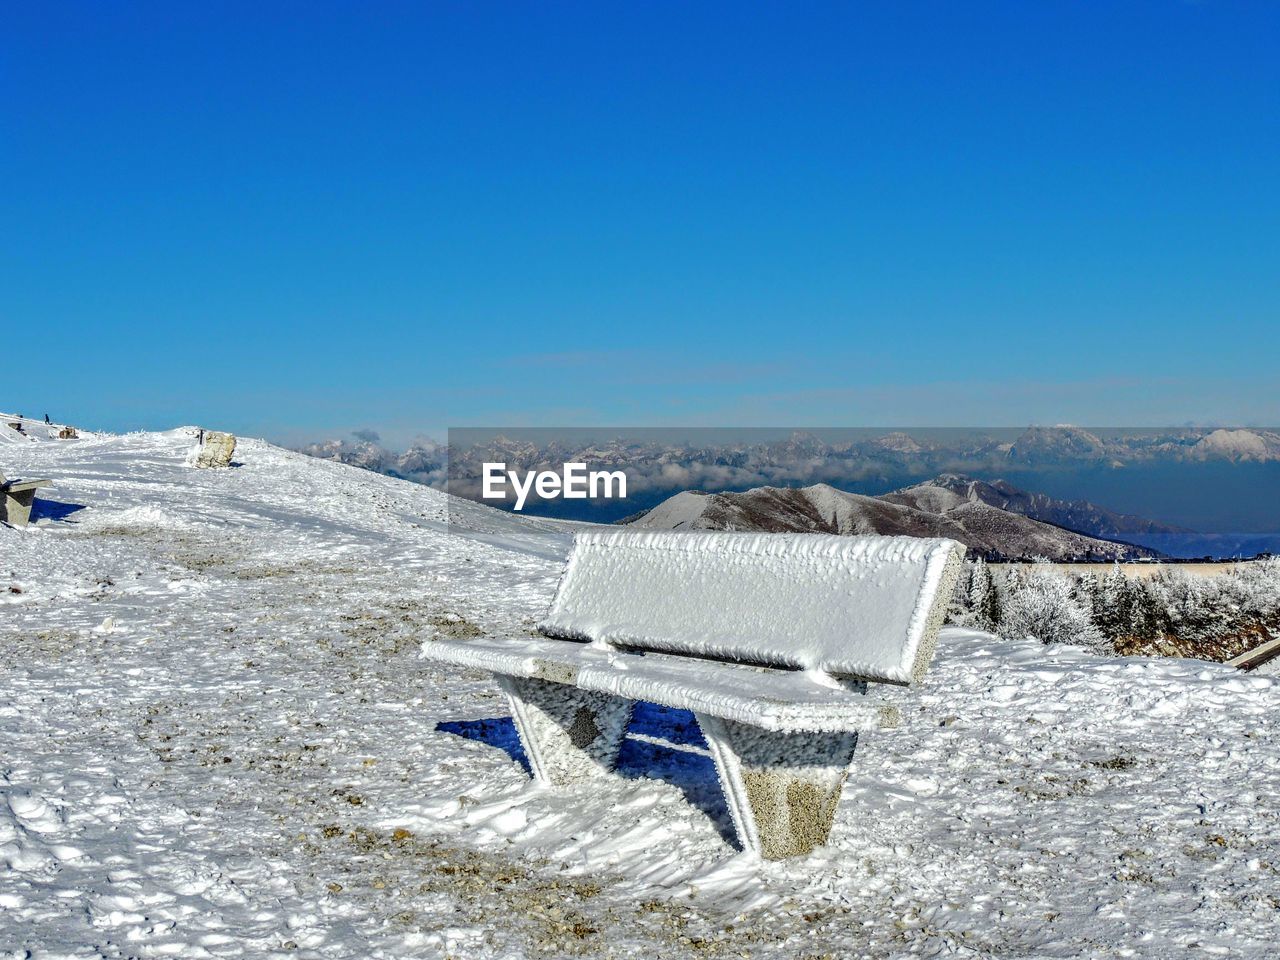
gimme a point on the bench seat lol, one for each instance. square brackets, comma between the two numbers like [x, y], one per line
[784, 701]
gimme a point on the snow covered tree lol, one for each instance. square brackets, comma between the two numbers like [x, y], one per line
[984, 598]
[958, 609]
[1045, 605]
[1146, 617]
[1113, 603]
[1014, 578]
[976, 601]
[1085, 588]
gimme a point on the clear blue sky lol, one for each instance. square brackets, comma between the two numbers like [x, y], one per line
[294, 219]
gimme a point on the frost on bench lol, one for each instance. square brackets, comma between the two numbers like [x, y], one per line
[569, 735]
[781, 645]
[858, 606]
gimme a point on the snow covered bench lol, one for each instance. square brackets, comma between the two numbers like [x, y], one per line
[774, 641]
[16, 498]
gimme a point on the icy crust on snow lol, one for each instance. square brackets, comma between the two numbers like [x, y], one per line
[778, 700]
[867, 607]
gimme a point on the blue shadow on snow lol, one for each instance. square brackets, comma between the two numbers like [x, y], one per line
[693, 774]
[42, 509]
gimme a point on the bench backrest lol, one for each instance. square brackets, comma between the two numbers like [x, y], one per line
[869, 607]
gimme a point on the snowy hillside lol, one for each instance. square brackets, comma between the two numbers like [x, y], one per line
[17, 429]
[1078, 515]
[217, 739]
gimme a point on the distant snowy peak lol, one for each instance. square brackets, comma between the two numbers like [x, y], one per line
[1041, 444]
[363, 453]
[1237, 446]
[1066, 444]
[925, 510]
[423, 461]
[899, 443]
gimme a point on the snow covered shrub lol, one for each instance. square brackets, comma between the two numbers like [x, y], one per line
[1172, 613]
[1191, 607]
[1175, 613]
[1255, 588]
[1048, 606]
[976, 602]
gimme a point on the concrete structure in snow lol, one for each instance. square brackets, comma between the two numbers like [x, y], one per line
[16, 499]
[777, 643]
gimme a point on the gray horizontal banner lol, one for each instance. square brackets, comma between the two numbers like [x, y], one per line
[1184, 492]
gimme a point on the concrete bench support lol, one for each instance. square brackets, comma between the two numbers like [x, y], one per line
[17, 498]
[782, 788]
[569, 735]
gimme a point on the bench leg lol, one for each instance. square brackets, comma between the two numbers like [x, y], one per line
[16, 507]
[569, 735]
[782, 788]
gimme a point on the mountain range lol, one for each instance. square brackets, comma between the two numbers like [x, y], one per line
[423, 462]
[1223, 481]
[739, 459]
[1078, 515]
[994, 520]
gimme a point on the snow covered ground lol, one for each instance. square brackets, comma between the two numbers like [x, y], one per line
[217, 739]
[31, 429]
